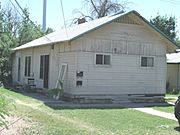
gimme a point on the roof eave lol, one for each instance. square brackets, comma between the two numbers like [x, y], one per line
[52, 43]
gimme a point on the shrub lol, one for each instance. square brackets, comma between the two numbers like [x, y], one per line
[55, 93]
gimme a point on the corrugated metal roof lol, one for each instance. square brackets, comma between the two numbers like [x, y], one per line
[173, 58]
[79, 30]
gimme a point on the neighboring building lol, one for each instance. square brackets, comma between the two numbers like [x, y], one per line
[114, 56]
[173, 71]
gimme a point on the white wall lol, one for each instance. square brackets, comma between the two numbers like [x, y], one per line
[60, 54]
[124, 75]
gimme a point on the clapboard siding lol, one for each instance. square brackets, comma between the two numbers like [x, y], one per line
[125, 43]
[122, 75]
[56, 58]
[126, 39]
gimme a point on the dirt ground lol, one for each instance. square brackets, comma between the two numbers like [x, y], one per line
[16, 125]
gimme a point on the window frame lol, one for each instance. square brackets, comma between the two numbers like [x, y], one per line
[147, 62]
[103, 57]
[27, 66]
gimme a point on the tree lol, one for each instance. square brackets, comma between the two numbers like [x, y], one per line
[101, 8]
[177, 40]
[165, 24]
[6, 43]
[29, 31]
[15, 30]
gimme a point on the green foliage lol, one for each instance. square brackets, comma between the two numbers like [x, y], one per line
[28, 31]
[45, 120]
[56, 92]
[53, 92]
[3, 111]
[177, 40]
[173, 92]
[6, 43]
[165, 24]
[168, 109]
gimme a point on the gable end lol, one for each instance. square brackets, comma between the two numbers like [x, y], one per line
[127, 20]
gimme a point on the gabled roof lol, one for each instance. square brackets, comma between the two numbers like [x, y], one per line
[173, 58]
[79, 30]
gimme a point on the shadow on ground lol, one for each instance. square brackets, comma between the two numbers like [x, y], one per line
[60, 104]
[177, 129]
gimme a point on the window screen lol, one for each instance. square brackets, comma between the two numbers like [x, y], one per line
[103, 59]
[147, 61]
[28, 66]
[106, 59]
[99, 59]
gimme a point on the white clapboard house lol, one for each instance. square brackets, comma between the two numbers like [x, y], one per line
[121, 55]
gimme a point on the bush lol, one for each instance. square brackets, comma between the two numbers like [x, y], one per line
[55, 93]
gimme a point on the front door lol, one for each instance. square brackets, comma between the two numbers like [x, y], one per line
[44, 70]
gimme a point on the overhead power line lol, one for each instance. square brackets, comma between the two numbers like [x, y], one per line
[172, 1]
[64, 18]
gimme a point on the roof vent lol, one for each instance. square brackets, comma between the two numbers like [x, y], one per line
[81, 20]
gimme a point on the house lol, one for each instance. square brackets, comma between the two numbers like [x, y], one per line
[173, 71]
[119, 56]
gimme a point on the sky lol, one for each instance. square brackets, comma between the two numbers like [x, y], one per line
[147, 8]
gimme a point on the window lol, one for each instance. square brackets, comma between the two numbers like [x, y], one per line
[28, 66]
[147, 61]
[102, 59]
